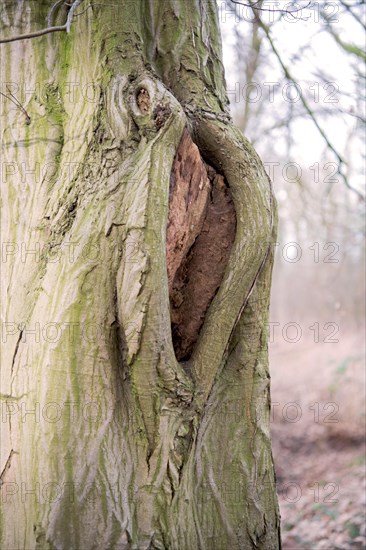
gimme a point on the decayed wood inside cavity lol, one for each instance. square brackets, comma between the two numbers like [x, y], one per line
[200, 233]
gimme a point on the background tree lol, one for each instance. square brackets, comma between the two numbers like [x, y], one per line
[120, 428]
[297, 92]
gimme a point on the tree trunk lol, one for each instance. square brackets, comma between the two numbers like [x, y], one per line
[131, 419]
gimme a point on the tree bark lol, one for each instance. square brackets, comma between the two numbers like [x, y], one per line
[109, 441]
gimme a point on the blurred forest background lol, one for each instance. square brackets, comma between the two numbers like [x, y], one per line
[295, 74]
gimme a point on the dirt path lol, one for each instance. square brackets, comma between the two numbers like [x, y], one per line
[318, 427]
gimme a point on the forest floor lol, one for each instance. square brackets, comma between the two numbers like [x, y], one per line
[318, 434]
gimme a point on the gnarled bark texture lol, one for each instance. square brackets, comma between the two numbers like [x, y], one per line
[135, 384]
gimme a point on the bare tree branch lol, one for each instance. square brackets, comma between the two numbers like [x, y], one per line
[349, 9]
[71, 14]
[346, 46]
[17, 103]
[309, 111]
[52, 10]
[41, 32]
[66, 27]
[255, 6]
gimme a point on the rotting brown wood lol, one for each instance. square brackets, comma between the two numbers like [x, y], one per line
[200, 234]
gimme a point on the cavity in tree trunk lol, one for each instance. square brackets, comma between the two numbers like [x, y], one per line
[136, 266]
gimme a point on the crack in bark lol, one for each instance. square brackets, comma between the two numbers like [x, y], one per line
[16, 352]
[7, 466]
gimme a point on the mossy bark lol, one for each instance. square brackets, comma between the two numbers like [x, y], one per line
[126, 447]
